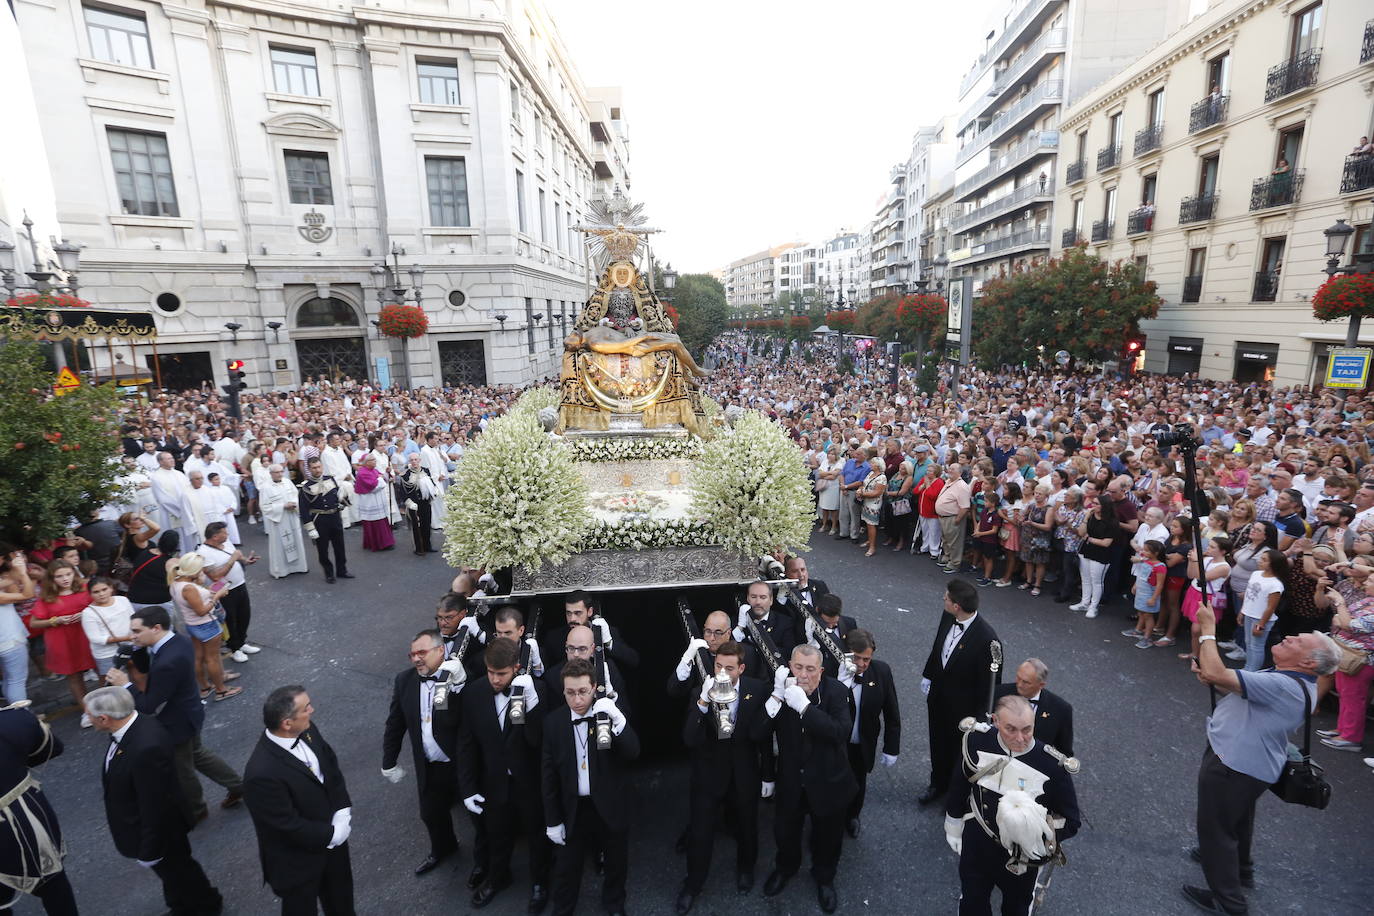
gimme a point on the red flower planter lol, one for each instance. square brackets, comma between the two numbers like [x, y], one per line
[1350, 296]
[403, 321]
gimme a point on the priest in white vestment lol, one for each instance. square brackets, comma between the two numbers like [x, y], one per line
[227, 505]
[282, 522]
[432, 459]
[175, 507]
[337, 465]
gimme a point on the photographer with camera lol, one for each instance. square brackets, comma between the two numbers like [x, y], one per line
[1247, 746]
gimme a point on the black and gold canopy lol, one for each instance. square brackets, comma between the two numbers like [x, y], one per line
[18, 323]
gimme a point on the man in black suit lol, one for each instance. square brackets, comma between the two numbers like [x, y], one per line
[586, 789]
[433, 730]
[812, 723]
[1053, 714]
[170, 694]
[455, 619]
[579, 645]
[684, 682]
[835, 624]
[143, 803]
[808, 588]
[581, 609]
[956, 680]
[725, 771]
[301, 809]
[780, 624]
[498, 769]
[873, 699]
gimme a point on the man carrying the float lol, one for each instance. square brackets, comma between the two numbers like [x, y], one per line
[1011, 804]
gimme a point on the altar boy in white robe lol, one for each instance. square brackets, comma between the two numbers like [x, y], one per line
[282, 523]
[227, 504]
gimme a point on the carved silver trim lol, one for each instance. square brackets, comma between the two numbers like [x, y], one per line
[613, 570]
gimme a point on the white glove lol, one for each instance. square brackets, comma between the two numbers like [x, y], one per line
[536, 660]
[738, 634]
[954, 833]
[743, 615]
[395, 774]
[925, 686]
[704, 700]
[410, 506]
[310, 530]
[889, 760]
[556, 835]
[470, 624]
[766, 790]
[607, 705]
[474, 803]
[149, 864]
[780, 680]
[772, 706]
[458, 675]
[684, 667]
[797, 699]
[847, 673]
[342, 822]
[604, 629]
[811, 631]
[531, 695]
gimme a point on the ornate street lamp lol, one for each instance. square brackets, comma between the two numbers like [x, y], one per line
[68, 259]
[1361, 263]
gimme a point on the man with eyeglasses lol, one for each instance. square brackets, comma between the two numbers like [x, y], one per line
[581, 645]
[453, 619]
[715, 632]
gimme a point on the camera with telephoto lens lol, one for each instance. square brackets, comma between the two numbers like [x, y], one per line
[124, 653]
[1180, 437]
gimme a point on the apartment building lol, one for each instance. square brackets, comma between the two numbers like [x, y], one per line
[930, 171]
[888, 267]
[843, 268]
[1040, 57]
[754, 281]
[228, 162]
[1217, 160]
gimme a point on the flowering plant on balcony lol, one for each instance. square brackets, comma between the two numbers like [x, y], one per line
[49, 300]
[398, 320]
[1347, 296]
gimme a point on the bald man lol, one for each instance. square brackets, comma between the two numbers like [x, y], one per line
[715, 632]
[579, 643]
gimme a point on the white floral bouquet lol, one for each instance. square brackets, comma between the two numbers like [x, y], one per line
[626, 448]
[753, 489]
[535, 399]
[516, 498]
[648, 534]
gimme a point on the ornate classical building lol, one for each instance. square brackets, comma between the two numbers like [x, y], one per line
[255, 163]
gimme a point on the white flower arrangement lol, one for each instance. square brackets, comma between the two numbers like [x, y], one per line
[535, 399]
[619, 448]
[516, 499]
[753, 489]
[648, 534]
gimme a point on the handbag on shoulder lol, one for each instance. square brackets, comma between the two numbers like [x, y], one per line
[1303, 782]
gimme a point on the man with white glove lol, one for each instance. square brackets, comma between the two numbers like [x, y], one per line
[875, 710]
[498, 771]
[954, 833]
[779, 623]
[455, 620]
[433, 739]
[580, 609]
[814, 777]
[510, 623]
[689, 657]
[586, 799]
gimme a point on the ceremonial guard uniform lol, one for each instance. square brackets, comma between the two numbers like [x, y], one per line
[31, 845]
[1009, 812]
[416, 488]
[320, 507]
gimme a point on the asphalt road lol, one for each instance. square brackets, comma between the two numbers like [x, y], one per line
[1139, 730]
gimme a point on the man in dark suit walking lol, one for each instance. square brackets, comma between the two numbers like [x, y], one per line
[1053, 714]
[812, 722]
[781, 624]
[170, 694]
[586, 789]
[580, 610]
[433, 730]
[835, 624]
[725, 772]
[301, 809]
[873, 700]
[580, 644]
[808, 588]
[956, 680]
[498, 769]
[143, 804]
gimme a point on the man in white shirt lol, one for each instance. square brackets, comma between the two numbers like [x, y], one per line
[224, 561]
[337, 465]
[1310, 483]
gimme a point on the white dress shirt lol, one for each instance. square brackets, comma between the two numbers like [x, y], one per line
[858, 691]
[117, 736]
[433, 753]
[956, 633]
[583, 736]
[300, 749]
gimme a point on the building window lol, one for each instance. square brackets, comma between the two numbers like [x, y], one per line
[515, 103]
[438, 82]
[447, 180]
[119, 37]
[543, 225]
[522, 220]
[307, 178]
[557, 224]
[294, 71]
[1219, 73]
[1307, 30]
[1208, 169]
[1156, 114]
[143, 172]
[1290, 143]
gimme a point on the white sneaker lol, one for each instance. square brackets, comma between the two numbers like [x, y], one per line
[1236, 655]
[1227, 646]
[1077, 607]
[1092, 612]
[251, 650]
[1369, 762]
[86, 721]
[238, 656]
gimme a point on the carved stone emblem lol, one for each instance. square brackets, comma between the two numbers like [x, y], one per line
[314, 229]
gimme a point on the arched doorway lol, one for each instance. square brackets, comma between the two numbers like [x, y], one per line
[329, 341]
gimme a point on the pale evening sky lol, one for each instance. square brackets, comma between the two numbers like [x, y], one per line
[756, 122]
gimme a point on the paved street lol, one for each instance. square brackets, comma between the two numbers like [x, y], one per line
[1139, 734]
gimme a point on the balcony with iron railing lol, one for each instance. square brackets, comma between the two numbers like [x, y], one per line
[1296, 73]
[1192, 288]
[1367, 49]
[1055, 41]
[1109, 158]
[1007, 202]
[1266, 286]
[1208, 113]
[1009, 36]
[1279, 190]
[1358, 174]
[1075, 171]
[1102, 230]
[1141, 220]
[1027, 239]
[1149, 138]
[1038, 144]
[1197, 209]
[1048, 92]
[1069, 238]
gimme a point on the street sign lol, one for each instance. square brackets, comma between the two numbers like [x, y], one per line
[66, 381]
[1348, 367]
[383, 372]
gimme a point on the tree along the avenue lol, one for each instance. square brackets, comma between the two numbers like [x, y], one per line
[1076, 302]
[702, 312]
[61, 453]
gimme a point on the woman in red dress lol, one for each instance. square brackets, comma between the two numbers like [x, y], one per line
[61, 599]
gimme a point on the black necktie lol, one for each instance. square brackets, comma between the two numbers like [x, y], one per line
[114, 740]
[298, 741]
[504, 693]
[589, 720]
[429, 677]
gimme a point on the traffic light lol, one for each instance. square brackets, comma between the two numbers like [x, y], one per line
[236, 384]
[1131, 351]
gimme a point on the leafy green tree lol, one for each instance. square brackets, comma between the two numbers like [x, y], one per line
[60, 452]
[1076, 302]
[702, 312]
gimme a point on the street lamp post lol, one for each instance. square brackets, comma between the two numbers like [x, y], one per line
[391, 289]
[1361, 263]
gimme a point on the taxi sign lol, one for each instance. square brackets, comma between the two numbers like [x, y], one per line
[66, 381]
[1348, 367]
